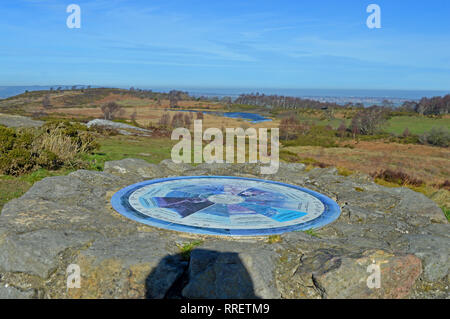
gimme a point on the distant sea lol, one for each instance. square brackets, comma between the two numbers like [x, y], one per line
[340, 96]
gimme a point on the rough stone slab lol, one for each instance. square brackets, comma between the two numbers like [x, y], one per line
[36, 253]
[419, 209]
[134, 168]
[69, 219]
[122, 127]
[142, 265]
[335, 274]
[8, 292]
[215, 269]
[434, 251]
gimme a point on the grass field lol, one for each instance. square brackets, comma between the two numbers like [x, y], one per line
[113, 148]
[11, 187]
[430, 164]
[415, 124]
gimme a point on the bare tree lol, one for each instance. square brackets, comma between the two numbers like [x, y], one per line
[406, 133]
[341, 130]
[164, 120]
[187, 120]
[173, 101]
[289, 126]
[368, 121]
[134, 116]
[110, 110]
[46, 102]
[227, 101]
[284, 102]
[178, 120]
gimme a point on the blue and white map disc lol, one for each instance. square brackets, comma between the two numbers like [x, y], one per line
[223, 205]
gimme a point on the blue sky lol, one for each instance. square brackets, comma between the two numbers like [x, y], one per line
[233, 43]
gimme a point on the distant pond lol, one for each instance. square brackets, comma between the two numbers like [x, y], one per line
[252, 117]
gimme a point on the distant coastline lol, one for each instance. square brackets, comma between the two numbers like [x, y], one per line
[339, 96]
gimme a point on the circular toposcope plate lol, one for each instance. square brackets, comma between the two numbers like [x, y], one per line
[223, 205]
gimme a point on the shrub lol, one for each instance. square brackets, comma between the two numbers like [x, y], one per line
[104, 130]
[437, 137]
[46, 102]
[16, 162]
[341, 130]
[7, 138]
[177, 120]
[55, 145]
[316, 136]
[188, 120]
[289, 127]
[291, 157]
[406, 133]
[444, 185]
[164, 121]
[110, 110]
[397, 177]
[368, 121]
[411, 139]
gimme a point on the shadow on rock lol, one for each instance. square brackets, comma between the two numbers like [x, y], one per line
[208, 274]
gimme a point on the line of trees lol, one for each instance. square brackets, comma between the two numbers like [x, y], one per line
[179, 119]
[426, 106]
[429, 106]
[280, 101]
[367, 121]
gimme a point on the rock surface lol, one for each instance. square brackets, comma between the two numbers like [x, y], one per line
[124, 129]
[18, 121]
[68, 220]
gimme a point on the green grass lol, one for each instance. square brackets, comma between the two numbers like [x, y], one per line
[396, 125]
[150, 149]
[415, 124]
[186, 248]
[311, 232]
[446, 211]
[11, 187]
[334, 123]
[14, 187]
[274, 239]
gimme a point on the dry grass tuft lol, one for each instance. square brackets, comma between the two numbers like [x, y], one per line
[397, 177]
